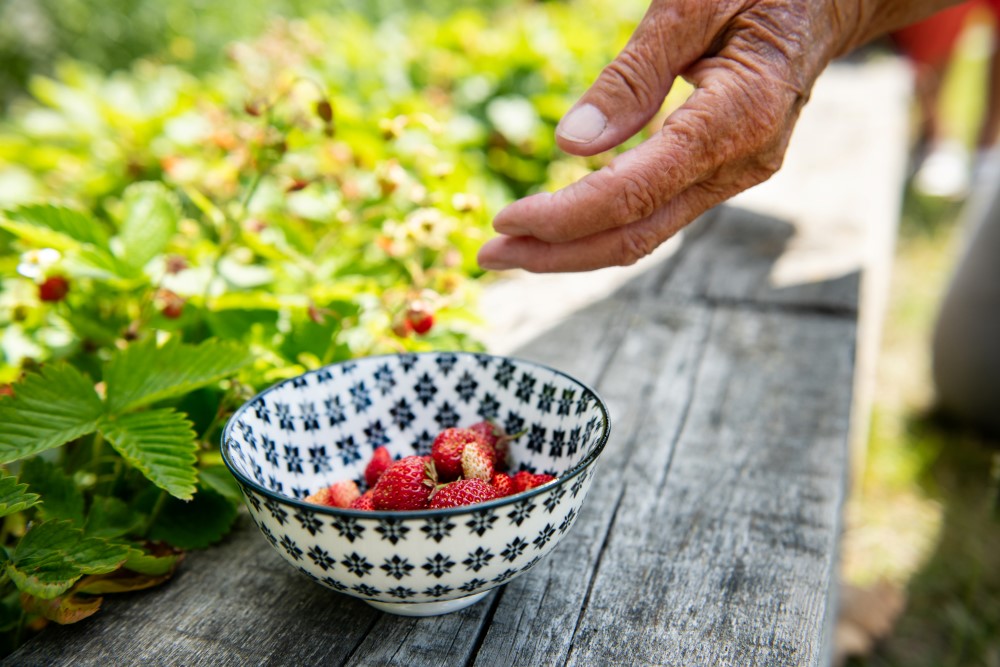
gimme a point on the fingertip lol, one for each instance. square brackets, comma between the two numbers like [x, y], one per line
[492, 255]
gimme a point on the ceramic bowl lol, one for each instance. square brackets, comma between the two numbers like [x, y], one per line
[320, 427]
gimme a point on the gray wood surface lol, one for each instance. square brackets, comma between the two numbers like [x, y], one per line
[710, 534]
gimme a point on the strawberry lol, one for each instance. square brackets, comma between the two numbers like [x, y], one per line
[525, 480]
[320, 497]
[365, 501]
[380, 460]
[463, 492]
[447, 451]
[405, 485]
[342, 494]
[477, 461]
[496, 438]
[53, 289]
[338, 494]
[419, 320]
[503, 483]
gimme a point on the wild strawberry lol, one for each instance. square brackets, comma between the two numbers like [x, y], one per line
[463, 492]
[365, 501]
[320, 497]
[525, 480]
[503, 484]
[419, 320]
[53, 289]
[172, 304]
[496, 438]
[477, 461]
[343, 494]
[405, 485]
[380, 460]
[447, 451]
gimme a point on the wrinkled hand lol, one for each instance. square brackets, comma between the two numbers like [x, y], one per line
[752, 64]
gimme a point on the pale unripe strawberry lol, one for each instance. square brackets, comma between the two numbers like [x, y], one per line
[477, 461]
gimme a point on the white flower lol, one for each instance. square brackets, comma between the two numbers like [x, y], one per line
[35, 263]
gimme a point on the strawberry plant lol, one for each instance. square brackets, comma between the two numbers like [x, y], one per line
[169, 245]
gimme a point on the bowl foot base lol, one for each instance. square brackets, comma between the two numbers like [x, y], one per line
[427, 608]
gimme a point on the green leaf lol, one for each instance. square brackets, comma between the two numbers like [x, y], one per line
[143, 373]
[48, 409]
[61, 497]
[220, 480]
[54, 226]
[14, 496]
[111, 517]
[159, 443]
[163, 560]
[53, 555]
[151, 216]
[196, 524]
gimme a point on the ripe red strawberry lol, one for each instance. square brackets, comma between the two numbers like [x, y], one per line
[419, 321]
[447, 451]
[525, 480]
[463, 492]
[381, 459]
[365, 501]
[503, 483]
[477, 461]
[405, 485]
[53, 289]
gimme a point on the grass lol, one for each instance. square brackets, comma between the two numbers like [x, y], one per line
[926, 516]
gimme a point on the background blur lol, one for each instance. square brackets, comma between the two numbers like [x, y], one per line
[923, 536]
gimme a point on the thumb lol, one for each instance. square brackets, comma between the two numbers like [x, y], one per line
[631, 89]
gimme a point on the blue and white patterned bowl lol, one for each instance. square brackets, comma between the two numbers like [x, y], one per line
[323, 426]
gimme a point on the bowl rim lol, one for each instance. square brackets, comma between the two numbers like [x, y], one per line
[579, 468]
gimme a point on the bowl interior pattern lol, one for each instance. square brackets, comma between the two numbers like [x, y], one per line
[323, 426]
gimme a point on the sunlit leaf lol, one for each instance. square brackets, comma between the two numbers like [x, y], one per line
[150, 221]
[50, 225]
[159, 443]
[49, 408]
[144, 373]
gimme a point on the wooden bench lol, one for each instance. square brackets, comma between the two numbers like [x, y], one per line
[732, 363]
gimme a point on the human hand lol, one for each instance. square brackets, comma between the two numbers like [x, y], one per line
[752, 64]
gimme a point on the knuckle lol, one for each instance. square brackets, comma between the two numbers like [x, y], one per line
[635, 242]
[636, 75]
[636, 199]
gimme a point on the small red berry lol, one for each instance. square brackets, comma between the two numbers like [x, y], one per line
[503, 483]
[447, 451]
[477, 461]
[381, 459]
[405, 485]
[419, 321]
[53, 289]
[365, 501]
[463, 492]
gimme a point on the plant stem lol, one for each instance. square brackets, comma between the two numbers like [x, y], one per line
[155, 512]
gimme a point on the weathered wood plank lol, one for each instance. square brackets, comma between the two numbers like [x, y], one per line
[534, 620]
[724, 551]
[236, 604]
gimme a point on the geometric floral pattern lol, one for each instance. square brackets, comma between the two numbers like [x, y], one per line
[322, 426]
